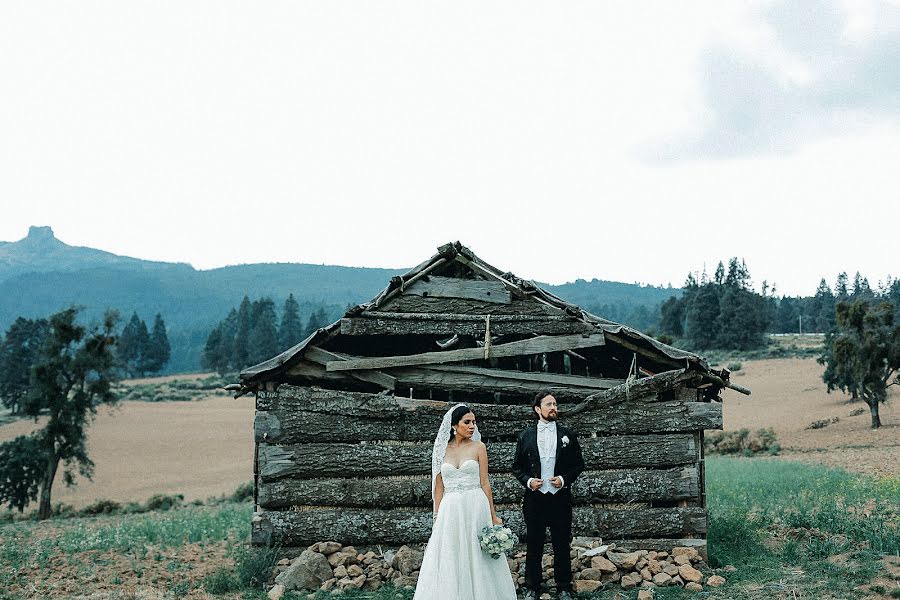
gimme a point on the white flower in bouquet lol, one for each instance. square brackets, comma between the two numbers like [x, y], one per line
[496, 540]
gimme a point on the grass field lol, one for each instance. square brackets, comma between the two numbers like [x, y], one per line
[792, 530]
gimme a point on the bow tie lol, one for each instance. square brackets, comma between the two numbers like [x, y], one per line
[546, 426]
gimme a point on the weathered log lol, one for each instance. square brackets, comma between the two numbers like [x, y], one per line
[372, 323]
[297, 426]
[373, 460]
[417, 304]
[593, 487]
[434, 286]
[298, 415]
[308, 525]
[530, 346]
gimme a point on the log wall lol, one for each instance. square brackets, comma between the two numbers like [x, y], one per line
[356, 466]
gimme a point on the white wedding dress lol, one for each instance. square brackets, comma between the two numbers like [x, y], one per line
[454, 566]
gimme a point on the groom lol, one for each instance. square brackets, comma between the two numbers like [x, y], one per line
[547, 462]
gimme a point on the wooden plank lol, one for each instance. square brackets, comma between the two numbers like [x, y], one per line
[372, 324]
[373, 460]
[323, 357]
[307, 525]
[451, 287]
[475, 379]
[595, 383]
[536, 345]
[592, 487]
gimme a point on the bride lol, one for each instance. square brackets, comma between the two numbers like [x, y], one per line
[454, 566]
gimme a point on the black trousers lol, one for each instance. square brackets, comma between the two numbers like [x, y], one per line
[543, 511]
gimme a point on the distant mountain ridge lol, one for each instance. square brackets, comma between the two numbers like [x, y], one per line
[41, 274]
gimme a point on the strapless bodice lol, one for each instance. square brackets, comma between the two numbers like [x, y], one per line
[466, 477]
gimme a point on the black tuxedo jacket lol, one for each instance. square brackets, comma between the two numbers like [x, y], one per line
[527, 461]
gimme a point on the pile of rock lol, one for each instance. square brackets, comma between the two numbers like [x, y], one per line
[331, 566]
[596, 566]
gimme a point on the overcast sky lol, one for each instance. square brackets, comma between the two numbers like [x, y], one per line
[629, 141]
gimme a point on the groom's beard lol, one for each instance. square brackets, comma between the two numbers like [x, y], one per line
[553, 416]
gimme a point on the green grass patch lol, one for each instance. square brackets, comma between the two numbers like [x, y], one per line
[126, 533]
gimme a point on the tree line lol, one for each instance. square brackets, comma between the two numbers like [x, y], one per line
[725, 312]
[252, 333]
[138, 351]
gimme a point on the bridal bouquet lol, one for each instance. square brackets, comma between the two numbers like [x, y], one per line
[497, 540]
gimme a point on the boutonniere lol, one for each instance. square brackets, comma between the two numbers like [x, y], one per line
[565, 441]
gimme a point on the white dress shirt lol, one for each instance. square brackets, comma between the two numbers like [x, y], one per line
[546, 441]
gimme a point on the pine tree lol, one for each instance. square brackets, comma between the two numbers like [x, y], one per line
[317, 320]
[242, 334]
[841, 286]
[672, 317]
[823, 307]
[719, 277]
[158, 348]
[263, 338]
[702, 317]
[133, 344]
[291, 330]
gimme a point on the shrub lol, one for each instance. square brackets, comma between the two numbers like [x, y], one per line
[164, 501]
[102, 507]
[741, 441]
[734, 366]
[243, 493]
[221, 581]
[254, 566]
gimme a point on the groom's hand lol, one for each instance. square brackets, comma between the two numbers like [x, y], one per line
[556, 482]
[535, 484]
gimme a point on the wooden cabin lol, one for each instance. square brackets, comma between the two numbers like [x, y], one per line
[346, 419]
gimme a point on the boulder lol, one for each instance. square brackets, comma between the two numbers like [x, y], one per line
[605, 565]
[586, 585]
[662, 580]
[693, 587]
[689, 573]
[685, 551]
[277, 592]
[407, 560]
[307, 572]
[592, 574]
[630, 581]
[645, 595]
[715, 581]
[624, 560]
[328, 548]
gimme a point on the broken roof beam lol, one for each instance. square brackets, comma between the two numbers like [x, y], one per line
[536, 345]
[475, 379]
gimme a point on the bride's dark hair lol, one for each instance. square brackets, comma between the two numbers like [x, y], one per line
[456, 416]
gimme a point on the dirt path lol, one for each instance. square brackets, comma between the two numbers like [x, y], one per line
[788, 395]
